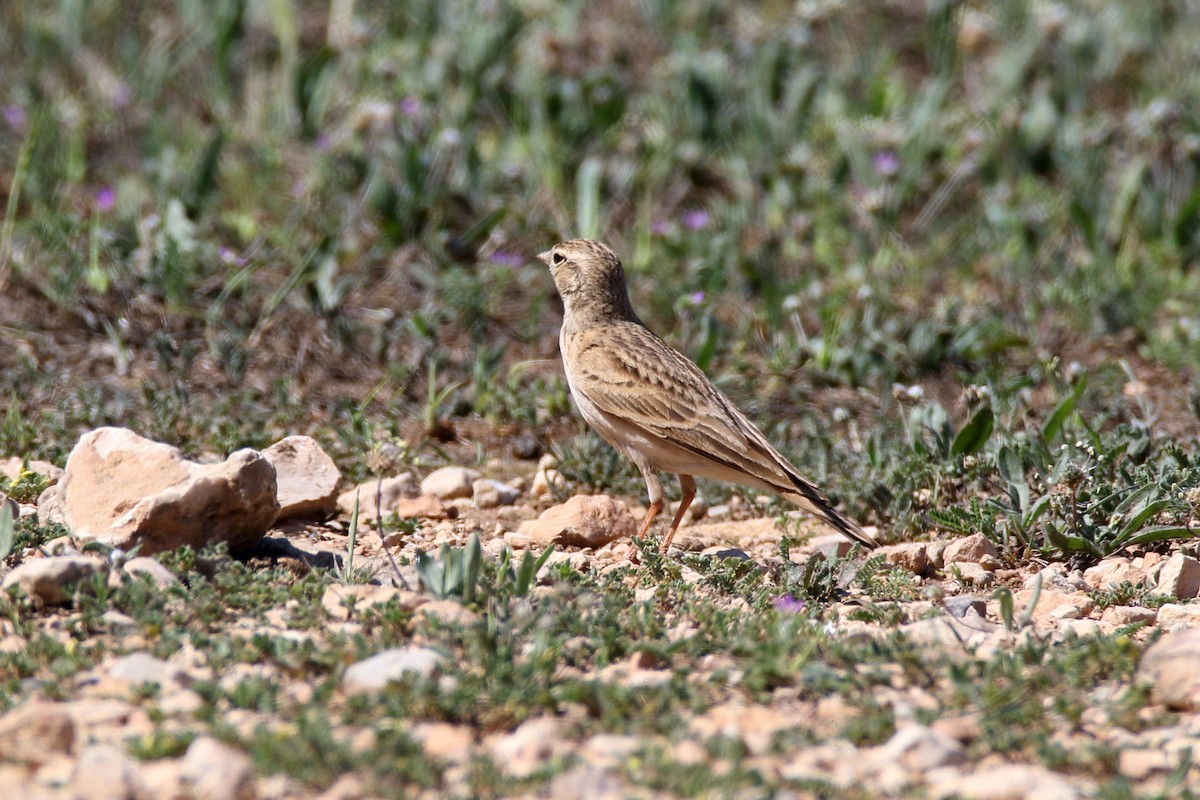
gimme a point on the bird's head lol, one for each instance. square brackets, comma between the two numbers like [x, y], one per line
[588, 276]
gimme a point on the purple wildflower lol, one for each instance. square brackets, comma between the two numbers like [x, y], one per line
[322, 142]
[788, 604]
[106, 199]
[886, 163]
[230, 256]
[659, 227]
[15, 117]
[697, 298]
[410, 107]
[695, 220]
[120, 96]
[506, 258]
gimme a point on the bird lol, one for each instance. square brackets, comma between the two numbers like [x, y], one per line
[652, 404]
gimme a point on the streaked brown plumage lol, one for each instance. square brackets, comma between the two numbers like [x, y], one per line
[654, 405]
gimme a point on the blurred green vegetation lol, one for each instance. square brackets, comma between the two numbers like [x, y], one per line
[226, 221]
[945, 253]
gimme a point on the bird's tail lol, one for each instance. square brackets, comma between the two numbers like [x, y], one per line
[809, 497]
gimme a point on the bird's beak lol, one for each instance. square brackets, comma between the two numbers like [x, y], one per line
[544, 257]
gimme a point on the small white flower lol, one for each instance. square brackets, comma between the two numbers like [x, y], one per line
[977, 393]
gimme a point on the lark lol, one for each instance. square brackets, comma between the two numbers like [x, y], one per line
[654, 405]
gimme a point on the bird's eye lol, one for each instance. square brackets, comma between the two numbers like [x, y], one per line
[558, 258]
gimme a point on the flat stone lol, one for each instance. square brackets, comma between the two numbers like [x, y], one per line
[61, 546]
[632, 674]
[425, 506]
[1169, 666]
[529, 748]
[911, 556]
[45, 580]
[1006, 782]
[1139, 764]
[388, 490]
[958, 605]
[338, 598]
[756, 725]
[163, 780]
[104, 772]
[1081, 628]
[128, 491]
[964, 729]
[137, 669]
[971, 574]
[836, 762]
[949, 631]
[488, 493]
[306, 478]
[448, 612]
[144, 565]
[115, 619]
[830, 545]
[583, 521]
[12, 468]
[50, 508]
[450, 482]
[375, 673]
[1179, 577]
[609, 750]
[745, 534]
[1177, 615]
[1112, 572]
[919, 748]
[594, 783]
[443, 741]
[1066, 611]
[215, 771]
[92, 713]
[973, 549]
[937, 553]
[1128, 615]
[1048, 600]
[37, 732]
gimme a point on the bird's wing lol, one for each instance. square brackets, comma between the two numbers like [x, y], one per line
[631, 375]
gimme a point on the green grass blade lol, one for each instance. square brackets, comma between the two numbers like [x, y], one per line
[1055, 421]
[975, 433]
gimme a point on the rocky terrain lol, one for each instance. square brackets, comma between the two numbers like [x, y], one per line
[294, 660]
[297, 504]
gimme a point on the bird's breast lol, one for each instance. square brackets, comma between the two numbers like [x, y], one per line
[568, 345]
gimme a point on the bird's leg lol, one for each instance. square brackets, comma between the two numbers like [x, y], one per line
[654, 492]
[687, 488]
[651, 513]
